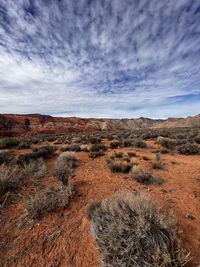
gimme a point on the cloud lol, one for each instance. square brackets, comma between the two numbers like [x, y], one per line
[100, 58]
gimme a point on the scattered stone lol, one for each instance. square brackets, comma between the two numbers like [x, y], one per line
[190, 217]
[164, 191]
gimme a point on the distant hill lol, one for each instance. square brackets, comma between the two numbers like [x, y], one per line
[31, 124]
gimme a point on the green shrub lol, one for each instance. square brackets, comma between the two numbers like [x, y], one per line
[47, 201]
[130, 230]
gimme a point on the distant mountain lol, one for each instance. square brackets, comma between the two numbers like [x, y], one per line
[31, 124]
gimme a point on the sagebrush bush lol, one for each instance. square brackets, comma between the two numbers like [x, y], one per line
[8, 142]
[197, 139]
[72, 147]
[115, 144]
[11, 178]
[24, 145]
[84, 148]
[183, 141]
[94, 140]
[36, 168]
[131, 154]
[96, 154]
[117, 154]
[167, 143]
[47, 201]
[188, 149]
[157, 165]
[119, 165]
[44, 152]
[98, 147]
[6, 156]
[145, 178]
[130, 231]
[64, 166]
[138, 143]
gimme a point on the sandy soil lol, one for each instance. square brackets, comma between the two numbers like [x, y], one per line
[63, 238]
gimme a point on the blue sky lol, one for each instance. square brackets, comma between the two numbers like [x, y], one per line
[108, 58]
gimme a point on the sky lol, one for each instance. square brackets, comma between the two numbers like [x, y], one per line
[100, 58]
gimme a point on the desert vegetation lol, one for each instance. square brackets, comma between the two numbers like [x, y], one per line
[46, 181]
[130, 230]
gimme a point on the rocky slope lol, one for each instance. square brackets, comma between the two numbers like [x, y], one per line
[17, 125]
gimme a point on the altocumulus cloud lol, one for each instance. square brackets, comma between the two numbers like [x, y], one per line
[97, 58]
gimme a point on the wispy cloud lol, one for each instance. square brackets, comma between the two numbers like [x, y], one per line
[100, 58]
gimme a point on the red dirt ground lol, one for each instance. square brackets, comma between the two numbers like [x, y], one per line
[63, 238]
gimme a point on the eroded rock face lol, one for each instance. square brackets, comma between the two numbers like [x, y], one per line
[17, 125]
[22, 125]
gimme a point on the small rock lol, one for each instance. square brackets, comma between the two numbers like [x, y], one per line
[190, 217]
[163, 190]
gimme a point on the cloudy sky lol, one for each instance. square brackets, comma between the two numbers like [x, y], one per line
[100, 58]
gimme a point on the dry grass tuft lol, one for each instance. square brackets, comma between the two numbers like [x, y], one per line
[47, 201]
[11, 178]
[64, 166]
[119, 165]
[130, 231]
[145, 178]
[37, 168]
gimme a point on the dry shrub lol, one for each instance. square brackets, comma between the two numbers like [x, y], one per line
[145, 178]
[157, 164]
[47, 201]
[145, 158]
[131, 154]
[8, 142]
[6, 156]
[64, 166]
[197, 139]
[117, 154]
[72, 147]
[98, 147]
[115, 144]
[11, 178]
[96, 154]
[139, 143]
[167, 143]
[188, 149]
[84, 148]
[130, 231]
[119, 165]
[36, 168]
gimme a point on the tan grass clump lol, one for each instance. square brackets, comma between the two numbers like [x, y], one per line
[47, 201]
[130, 231]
